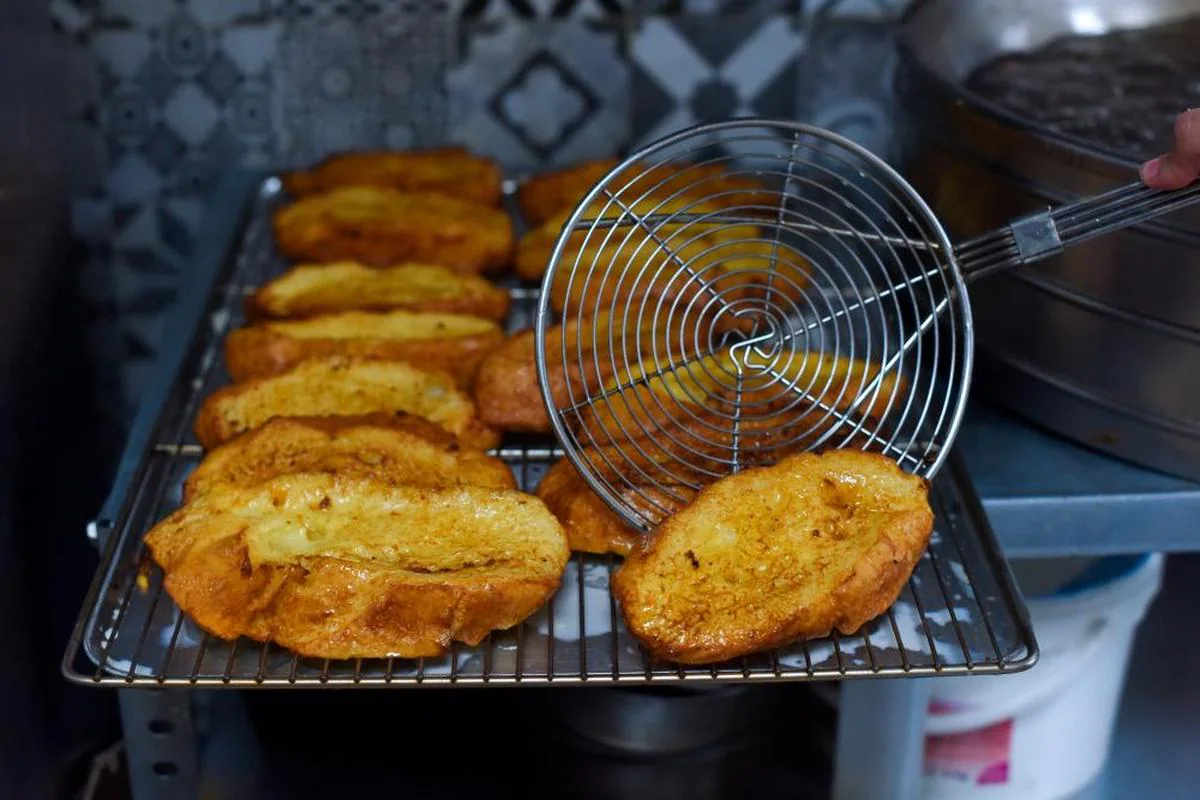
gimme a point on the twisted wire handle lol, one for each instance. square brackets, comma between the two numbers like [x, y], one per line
[1047, 233]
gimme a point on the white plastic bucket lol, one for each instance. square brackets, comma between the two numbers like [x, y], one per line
[1044, 734]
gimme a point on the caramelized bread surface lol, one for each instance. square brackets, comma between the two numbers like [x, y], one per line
[774, 554]
[380, 227]
[397, 448]
[800, 393]
[337, 386]
[506, 386]
[452, 343]
[334, 567]
[446, 170]
[638, 250]
[555, 192]
[591, 526]
[313, 289]
[662, 260]
[550, 193]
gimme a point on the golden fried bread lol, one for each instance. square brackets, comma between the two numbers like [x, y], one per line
[397, 448]
[825, 379]
[506, 386]
[446, 170]
[591, 526]
[550, 193]
[334, 567]
[380, 227]
[641, 250]
[611, 265]
[314, 289]
[773, 554]
[555, 192]
[453, 343]
[337, 386]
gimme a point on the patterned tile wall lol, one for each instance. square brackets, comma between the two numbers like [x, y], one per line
[166, 94]
[539, 92]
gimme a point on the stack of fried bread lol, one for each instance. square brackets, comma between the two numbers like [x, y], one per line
[380, 226]
[383, 208]
[346, 506]
[731, 257]
[341, 538]
[451, 171]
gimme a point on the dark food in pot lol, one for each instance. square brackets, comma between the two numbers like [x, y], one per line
[1120, 90]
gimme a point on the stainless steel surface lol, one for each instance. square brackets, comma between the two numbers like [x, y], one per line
[959, 614]
[1048, 496]
[836, 257]
[1035, 237]
[161, 744]
[1096, 341]
[661, 721]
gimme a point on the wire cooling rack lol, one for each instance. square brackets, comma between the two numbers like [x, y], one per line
[959, 614]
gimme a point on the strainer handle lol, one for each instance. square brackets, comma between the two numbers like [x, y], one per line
[1047, 233]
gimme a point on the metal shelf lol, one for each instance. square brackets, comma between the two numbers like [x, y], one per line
[1047, 496]
[959, 614]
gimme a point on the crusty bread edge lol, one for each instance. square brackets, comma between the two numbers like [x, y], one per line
[256, 351]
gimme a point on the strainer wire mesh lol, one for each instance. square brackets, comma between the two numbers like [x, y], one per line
[740, 291]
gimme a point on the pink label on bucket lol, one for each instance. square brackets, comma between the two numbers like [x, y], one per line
[937, 707]
[996, 773]
[979, 757]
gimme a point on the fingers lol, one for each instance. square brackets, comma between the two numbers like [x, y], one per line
[1182, 165]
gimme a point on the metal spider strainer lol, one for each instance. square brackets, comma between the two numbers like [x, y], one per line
[743, 290]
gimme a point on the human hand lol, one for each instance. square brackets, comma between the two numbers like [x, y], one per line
[1181, 166]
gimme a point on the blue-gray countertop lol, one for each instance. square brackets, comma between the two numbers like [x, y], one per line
[1048, 496]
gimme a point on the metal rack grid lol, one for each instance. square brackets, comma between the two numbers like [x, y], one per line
[959, 614]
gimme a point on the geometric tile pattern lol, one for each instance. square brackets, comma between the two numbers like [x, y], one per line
[536, 93]
[163, 95]
[860, 9]
[703, 68]
[494, 10]
[374, 78]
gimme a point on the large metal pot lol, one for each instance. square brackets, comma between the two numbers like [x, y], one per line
[1101, 343]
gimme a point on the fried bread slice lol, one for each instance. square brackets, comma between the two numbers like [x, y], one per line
[701, 245]
[338, 386]
[334, 567]
[591, 526]
[774, 554]
[313, 289]
[380, 227]
[396, 448]
[550, 193]
[450, 171]
[662, 260]
[555, 192]
[807, 384]
[453, 343]
[506, 386]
